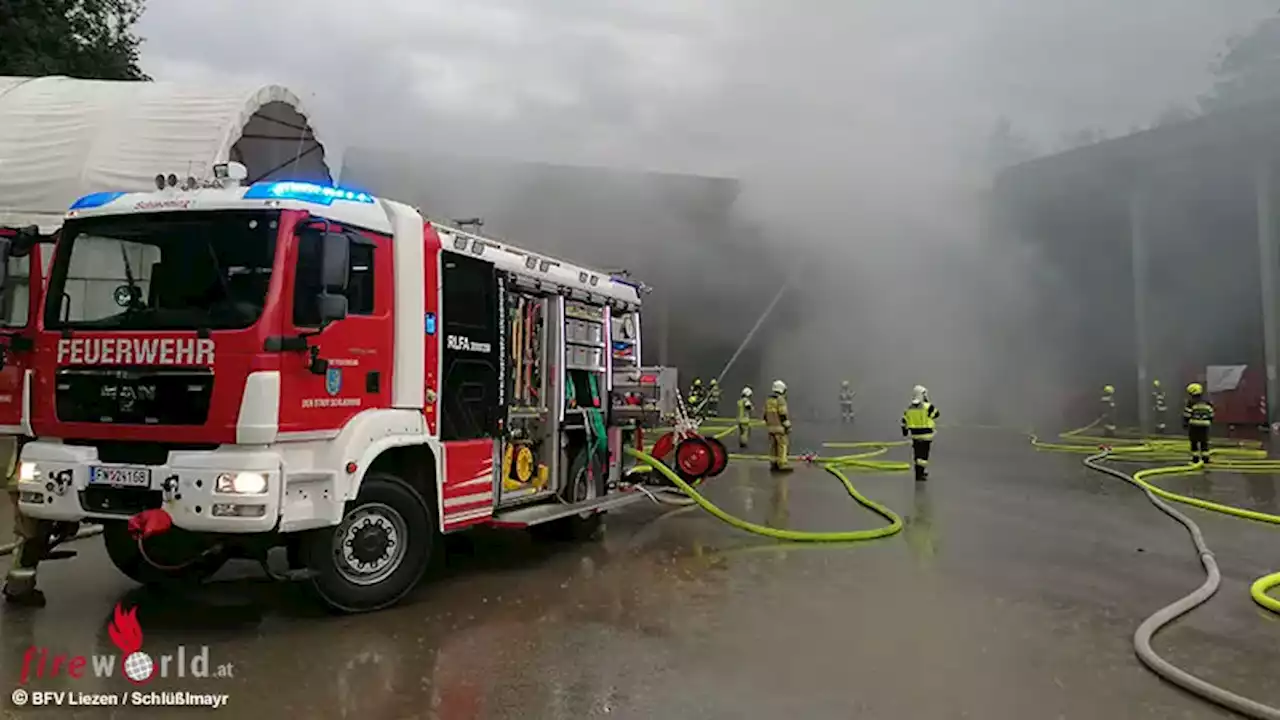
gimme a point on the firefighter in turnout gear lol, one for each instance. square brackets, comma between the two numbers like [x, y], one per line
[744, 417]
[33, 537]
[713, 398]
[846, 402]
[1158, 407]
[919, 421]
[778, 422]
[1197, 416]
[1109, 410]
[695, 396]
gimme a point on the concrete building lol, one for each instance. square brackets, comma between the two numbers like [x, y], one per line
[1160, 252]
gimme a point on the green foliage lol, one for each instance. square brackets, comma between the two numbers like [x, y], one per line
[1248, 70]
[90, 39]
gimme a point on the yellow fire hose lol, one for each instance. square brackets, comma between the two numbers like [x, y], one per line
[831, 465]
[1238, 459]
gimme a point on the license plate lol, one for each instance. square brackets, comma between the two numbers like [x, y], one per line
[126, 476]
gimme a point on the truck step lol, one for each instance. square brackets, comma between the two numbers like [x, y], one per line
[537, 514]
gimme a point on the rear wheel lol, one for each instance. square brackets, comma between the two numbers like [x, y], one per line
[171, 557]
[584, 526]
[379, 551]
[719, 456]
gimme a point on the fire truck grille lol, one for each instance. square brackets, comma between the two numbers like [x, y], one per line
[130, 396]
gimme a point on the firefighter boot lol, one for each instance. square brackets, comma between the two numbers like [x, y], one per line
[20, 583]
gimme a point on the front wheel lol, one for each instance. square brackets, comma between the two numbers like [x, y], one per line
[379, 551]
[172, 557]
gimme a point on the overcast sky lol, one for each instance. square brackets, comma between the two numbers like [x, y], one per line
[705, 85]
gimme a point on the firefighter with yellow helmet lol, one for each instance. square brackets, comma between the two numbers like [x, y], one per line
[778, 421]
[1109, 410]
[713, 399]
[1197, 417]
[744, 417]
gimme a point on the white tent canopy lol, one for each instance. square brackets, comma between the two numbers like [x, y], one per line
[61, 139]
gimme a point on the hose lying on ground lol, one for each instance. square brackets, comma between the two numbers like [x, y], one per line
[1152, 625]
[1237, 459]
[894, 526]
[84, 532]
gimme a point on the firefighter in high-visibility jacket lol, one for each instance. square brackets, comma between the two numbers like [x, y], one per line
[919, 422]
[846, 402]
[695, 397]
[778, 422]
[1108, 410]
[713, 399]
[1158, 408]
[744, 417]
[1197, 417]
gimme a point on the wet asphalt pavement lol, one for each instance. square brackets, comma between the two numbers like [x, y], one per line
[1012, 593]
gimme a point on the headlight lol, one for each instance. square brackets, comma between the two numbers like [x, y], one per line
[28, 472]
[242, 484]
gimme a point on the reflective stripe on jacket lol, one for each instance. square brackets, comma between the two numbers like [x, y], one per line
[920, 420]
[1198, 413]
[775, 414]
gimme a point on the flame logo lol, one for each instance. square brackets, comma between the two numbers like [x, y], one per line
[125, 631]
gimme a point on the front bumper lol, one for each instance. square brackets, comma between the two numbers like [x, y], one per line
[54, 484]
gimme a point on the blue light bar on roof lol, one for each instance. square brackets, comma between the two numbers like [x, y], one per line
[304, 192]
[96, 200]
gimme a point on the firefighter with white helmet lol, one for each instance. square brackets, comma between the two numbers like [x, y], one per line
[846, 402]
[919, 422]
[1158, 407]
[778, 421]
[744, 417]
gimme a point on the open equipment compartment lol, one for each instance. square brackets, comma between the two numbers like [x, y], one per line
[527, 466]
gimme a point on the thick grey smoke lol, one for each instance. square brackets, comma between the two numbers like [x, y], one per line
[857, 131]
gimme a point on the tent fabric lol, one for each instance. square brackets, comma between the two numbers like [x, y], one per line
[63, 138]
[1223, 378]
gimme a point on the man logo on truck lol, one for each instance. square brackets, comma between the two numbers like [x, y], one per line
[457, 342]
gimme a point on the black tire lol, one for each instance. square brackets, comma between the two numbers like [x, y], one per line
[395, 528]
[172, 548]
[575, 528]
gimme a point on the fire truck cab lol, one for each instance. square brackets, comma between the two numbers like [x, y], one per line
[313, 367]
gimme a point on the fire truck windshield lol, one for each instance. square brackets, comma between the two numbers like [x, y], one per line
[162, 271]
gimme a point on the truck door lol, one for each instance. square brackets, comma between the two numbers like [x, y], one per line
[472, 408]
[20, 305]
[471, 401]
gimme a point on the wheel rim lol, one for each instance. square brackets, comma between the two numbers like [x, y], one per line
[370, 544]
[695, 459]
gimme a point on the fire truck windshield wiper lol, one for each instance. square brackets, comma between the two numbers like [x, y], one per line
[134, 292]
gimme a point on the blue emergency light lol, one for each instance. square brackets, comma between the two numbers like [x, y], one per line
[96, 200]
[304, 192]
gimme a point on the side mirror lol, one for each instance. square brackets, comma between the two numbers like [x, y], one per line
[335, 263]
[331, 308]
[6, 249]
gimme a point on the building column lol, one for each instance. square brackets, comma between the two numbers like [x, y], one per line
[1139, 206]
[1267, 262]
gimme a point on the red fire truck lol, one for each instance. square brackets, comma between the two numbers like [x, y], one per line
[286, 364]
